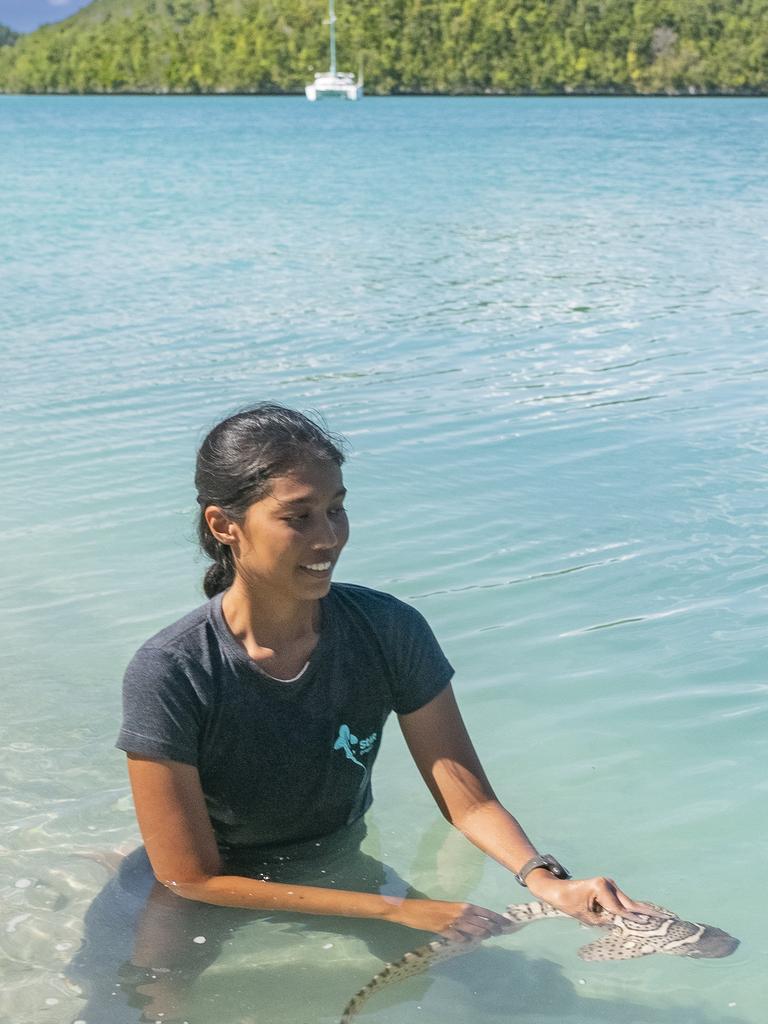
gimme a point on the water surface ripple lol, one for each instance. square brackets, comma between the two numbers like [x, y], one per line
[541, 324]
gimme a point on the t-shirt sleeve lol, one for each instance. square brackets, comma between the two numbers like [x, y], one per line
[420, 669]
[161, 710]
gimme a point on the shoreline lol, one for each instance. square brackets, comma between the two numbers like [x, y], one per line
[570, 94]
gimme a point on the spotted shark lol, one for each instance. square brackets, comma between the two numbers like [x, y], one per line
[629, 937]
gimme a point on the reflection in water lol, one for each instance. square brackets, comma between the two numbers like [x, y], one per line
[144, 947]
[487, 332]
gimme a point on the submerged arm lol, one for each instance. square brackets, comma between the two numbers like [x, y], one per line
[443, 752]
[181, 846]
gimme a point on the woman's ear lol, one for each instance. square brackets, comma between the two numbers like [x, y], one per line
[220, 525]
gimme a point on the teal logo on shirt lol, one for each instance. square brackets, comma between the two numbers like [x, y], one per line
[346, 741]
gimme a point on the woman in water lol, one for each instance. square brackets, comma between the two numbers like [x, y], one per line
[252, 724]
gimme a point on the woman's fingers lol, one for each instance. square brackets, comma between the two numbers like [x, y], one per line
[488, 920]
[635, 906]
[448, 918]
[585, 899]
[592, 913]
[475, 923]
[496, 922]
[469, 930]
[605, 895]
[613, 899]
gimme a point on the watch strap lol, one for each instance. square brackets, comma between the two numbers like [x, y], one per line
[541, 861]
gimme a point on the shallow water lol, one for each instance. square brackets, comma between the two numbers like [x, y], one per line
[541, 324]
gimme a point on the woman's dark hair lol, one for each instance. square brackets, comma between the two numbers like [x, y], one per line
[236, 461]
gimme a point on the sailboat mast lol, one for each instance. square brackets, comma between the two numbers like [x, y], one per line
[332, 23]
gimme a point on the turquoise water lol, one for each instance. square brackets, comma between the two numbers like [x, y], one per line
[541, 324]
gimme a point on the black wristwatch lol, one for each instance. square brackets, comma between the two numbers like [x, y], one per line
[541, 861]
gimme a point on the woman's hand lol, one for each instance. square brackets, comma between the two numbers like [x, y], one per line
[583, 898]
[451, 920]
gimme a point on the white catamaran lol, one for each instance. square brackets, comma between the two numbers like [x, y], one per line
[333, 82]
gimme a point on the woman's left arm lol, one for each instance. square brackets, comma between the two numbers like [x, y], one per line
[442, 750]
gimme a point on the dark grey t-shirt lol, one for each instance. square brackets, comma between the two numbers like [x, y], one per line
[281, 762]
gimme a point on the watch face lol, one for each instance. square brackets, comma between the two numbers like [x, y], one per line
[556, 868]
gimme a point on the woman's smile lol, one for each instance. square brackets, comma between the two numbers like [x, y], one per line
[318, 569]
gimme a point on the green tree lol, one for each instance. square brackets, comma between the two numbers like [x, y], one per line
[446, 46]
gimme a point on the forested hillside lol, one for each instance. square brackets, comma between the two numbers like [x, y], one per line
[413, 46]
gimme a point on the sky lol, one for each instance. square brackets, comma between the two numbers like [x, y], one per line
[26, 15]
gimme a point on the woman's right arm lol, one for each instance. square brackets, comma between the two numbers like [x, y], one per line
[181, 846]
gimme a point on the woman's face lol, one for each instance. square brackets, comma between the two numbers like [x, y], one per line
[291, 539]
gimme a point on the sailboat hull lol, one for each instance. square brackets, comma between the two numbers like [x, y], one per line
[334, 87]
